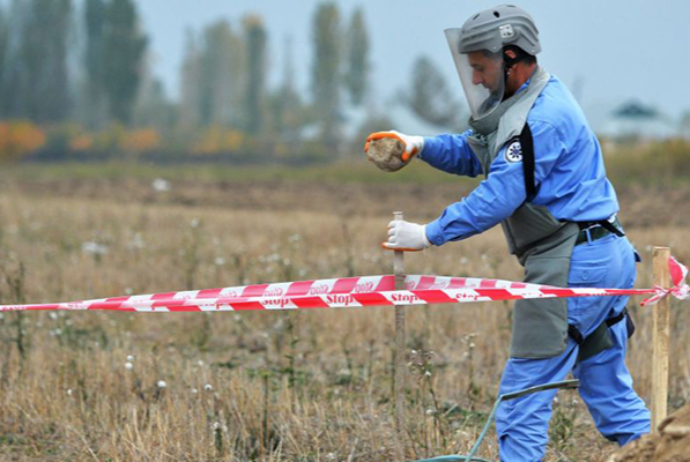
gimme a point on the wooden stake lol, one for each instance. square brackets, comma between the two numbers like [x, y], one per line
[660, 338]
[400, 356]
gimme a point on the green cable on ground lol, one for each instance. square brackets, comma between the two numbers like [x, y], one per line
[504, 397]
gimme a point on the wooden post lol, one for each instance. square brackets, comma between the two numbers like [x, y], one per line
[400, 356]
[660, 338]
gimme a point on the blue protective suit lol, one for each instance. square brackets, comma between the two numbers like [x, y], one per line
[571, 182]
[569, 172]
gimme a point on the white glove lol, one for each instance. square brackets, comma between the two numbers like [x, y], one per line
[412, 145]
[403, 235]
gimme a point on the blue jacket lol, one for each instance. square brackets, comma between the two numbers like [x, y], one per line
[569, 171]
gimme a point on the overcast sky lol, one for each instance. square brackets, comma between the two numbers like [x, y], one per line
[607, 51]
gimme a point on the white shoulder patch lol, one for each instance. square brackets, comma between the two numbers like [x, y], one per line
[513, 152]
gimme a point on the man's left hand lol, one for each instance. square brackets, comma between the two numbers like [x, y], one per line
[406, 236]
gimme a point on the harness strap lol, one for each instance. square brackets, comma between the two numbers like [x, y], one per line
[616, 319]
[607, 225]
[575, 334]
[528, 163]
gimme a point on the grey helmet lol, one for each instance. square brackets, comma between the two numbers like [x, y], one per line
[477, 47]
[497, 27]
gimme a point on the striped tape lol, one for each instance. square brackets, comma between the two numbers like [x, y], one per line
[355, 292]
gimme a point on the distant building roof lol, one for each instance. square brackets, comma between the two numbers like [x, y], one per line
[637, 120]
[635, 110]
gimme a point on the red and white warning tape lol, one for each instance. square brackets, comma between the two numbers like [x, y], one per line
[356, 292]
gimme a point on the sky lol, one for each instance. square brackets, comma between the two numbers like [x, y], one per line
[606, 51]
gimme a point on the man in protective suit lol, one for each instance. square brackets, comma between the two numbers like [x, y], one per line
[546, 184]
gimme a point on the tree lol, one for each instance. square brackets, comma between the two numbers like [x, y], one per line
[326, 77]
[356, 77]
[212, 78]
[285, 103]
[94, 22]
[152, 107]
[4, 60]
[430, 98]
[219, 77]
[255, 43]
[123, 52]
[189, 84]
[37, 83]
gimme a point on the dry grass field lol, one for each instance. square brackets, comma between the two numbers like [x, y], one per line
[272, 386]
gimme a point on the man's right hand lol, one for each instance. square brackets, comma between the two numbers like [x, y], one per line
[412, 145]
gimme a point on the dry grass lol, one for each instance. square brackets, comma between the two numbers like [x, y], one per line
[302, 386]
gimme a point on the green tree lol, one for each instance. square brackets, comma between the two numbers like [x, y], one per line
[356, 76]
[189, 84]
[4, 60]
[285, 103]
[219, 78]
[152, 107]
[38, 82]
[94, 101]
[212, 78]
[326, 76]
[124, 47]
[429, 96]
[255, 43]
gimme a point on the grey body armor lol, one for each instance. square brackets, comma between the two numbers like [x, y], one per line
[542, 244]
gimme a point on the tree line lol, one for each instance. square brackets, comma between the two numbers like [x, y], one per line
[80, 75]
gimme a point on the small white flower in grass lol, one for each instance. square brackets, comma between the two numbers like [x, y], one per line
[216, 425]
[200, 363]
[69, 392]
[195, 391]
[427, 373]
[130, 358]
[219, 261]
[430, 412]
[53, 316]
[161, 384]
[160, 185]
[208, 387]
[94, 248]
[136, 243]
[129, 366]
[330, 456]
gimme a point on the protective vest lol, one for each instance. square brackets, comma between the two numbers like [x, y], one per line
[542, 244]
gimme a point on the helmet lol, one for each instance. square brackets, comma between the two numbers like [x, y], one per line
[497, 27]
[477, 51]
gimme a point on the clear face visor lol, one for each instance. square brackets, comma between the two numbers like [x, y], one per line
[481, 73]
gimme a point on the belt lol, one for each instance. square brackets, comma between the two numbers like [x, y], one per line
[593, 230]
